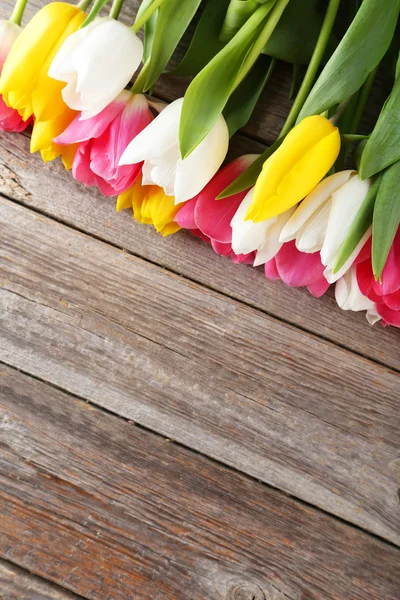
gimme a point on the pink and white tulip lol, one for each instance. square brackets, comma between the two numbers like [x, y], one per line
[10, 119]
[262, 237]
[322, 221]
[298, 269]
[96, 62]
[349, 296]
[102, 140]
[158, 147]
[210, 219]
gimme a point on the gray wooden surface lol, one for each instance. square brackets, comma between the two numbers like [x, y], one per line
[267, 390]
[112, 511]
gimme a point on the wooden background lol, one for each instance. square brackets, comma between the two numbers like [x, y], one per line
[173, 426]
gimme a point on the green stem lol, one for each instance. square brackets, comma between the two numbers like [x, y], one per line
[356, 118]
[352, 137]
[259, 45]
[84, 4]
[313, 67]
[362, 100]
[146, 15]
[18, 12]
[116, 8]
[96, 8]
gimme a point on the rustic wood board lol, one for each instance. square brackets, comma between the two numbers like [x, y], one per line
[114, 512]
[296, 412]
[17, 584]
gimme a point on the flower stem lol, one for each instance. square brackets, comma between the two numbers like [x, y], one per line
[313, 67]
[96, 8]
[146, 15]
[269, 27]
[362, 100]
[84, 4]
[18, 11]
[116, 8]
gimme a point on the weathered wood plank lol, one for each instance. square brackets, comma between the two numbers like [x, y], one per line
[52, 190]
[17, 584]
[294, 411]
[113, 512]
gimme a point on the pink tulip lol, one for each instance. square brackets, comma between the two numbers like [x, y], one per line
[385, 294]
[102, 140]
[209, 218]
[10, 119]
[298, 269]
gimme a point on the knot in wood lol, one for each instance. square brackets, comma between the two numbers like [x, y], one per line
[246, 591]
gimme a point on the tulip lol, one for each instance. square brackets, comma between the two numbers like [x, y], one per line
[158, 147]
[262, 237]
[96, 62]
[385, 293]
[293, 171]
[323, 220]
[150, 206]
[101, 141]
[10, 119]
[25, 84]
[209, 218]
[349, 296]
[298, 269]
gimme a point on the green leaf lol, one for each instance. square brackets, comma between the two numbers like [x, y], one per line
[383, 147]
[173, 19]
[149, 28]
[236, 16]
[244, 99]
[360, 51]
[386, 218]
[360, 225]
[208, 93]
[205, 43]
[249, 177]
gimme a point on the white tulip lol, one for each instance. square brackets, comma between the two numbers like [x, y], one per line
[349, 297]
[262, 237]
[322, 221]
[96, 62]
[8, 34]
[158, 146]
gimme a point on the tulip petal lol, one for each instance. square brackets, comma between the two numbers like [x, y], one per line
[196, 170]
[213, 217]
[293, 171]
[297, 268]
[313, 203]
[157, 138]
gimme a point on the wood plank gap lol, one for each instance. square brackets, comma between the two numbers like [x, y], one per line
[17, 583]
[115, 512]
[212, 459]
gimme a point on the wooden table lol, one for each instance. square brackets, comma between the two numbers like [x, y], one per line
[176, 427]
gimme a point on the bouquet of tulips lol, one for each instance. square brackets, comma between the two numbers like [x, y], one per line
[295, 209]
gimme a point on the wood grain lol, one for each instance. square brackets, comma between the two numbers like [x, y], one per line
[114, 512]
[296, 412]
[17, 584]
[50, 189]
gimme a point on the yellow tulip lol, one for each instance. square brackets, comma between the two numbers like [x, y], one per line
[26, 86]
[151, 206]
[295, 169]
